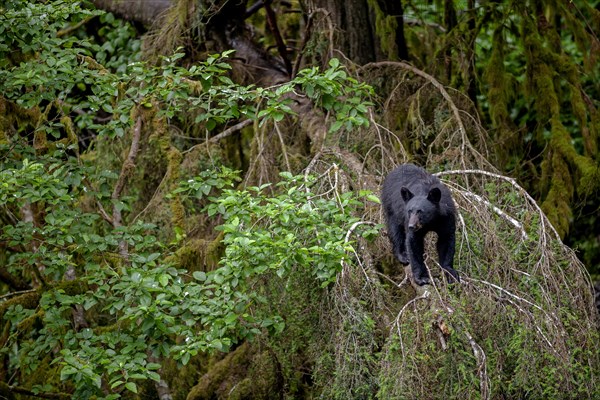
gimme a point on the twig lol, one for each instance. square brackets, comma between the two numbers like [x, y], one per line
[283, 151]
[36, 268]
[305, 36]
[330, 27]
[11, 294]
[227, 132]
[423, 296]
[151, 201]
[347, 239]
[253, 9]
[432, 80]
[125, 170]
[68, 30]
[514, 296]
[354, 226]
[101, 209]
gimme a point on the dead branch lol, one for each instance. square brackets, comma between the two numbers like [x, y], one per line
[498, 211]
[484, 380]
[226, 133]
[438, 86]
[283, 150]
[11, 294]
[513, 183]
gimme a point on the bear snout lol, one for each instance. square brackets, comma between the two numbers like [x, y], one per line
[414, 223]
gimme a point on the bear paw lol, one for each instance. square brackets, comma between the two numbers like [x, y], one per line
[403, 258]
[422, 280]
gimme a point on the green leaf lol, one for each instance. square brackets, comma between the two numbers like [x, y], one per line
[211, 124]
[374, 199]
[336, 126]
[131, 386]
[164, 279]
[199, 275]
[115, 384]
[185, 358]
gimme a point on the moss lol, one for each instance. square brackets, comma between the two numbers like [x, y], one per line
[27, 300]
[26, 324]
[223, 376]
[73, 287]
[67, 122]
[500, 90]
[385, 28]
[178, 217]
[47, 373]
[263, 380]
[40, 141]
[6, 392]
[4, 122]
[199, 254]
[245, 373]
[556, 205]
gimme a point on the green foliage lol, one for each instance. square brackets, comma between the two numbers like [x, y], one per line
[110, 303]
[57, 68]
[140, 304]
[328, 88]
[135, 305]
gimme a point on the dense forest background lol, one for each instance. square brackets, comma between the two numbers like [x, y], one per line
[189, 198]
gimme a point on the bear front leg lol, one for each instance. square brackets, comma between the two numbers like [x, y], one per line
[445, 247]
[415, 246]
[398, 239]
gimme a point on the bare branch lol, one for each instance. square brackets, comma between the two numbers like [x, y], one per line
[484, 380]
[226, 133]
[498, 211]
[514, 183]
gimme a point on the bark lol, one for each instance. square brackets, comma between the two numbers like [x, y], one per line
[144, 11]
[355, 35]
[394, 8]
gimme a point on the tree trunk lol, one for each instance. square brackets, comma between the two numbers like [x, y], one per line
[354, 34]
[394, 8]
[142, 11]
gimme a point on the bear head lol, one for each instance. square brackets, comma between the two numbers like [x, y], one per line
[421, 210]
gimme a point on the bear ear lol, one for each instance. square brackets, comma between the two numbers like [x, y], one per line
[406, 194]
[434, 195]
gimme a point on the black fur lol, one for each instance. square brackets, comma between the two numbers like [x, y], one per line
[416, 202]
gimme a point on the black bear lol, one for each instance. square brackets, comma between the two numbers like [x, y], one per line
[416, 202]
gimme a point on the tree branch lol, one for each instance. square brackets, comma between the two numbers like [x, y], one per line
[281, 47]
[26, 392]
[12, 281]
[144, 11]
[128, 165]
[227, 132]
